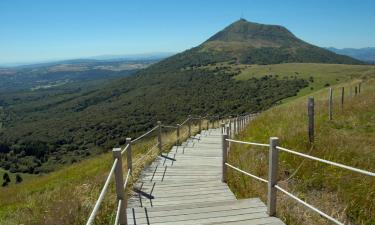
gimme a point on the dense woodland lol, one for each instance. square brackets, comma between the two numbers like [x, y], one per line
[50, 128]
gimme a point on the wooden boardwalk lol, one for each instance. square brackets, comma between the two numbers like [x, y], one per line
[184, 187]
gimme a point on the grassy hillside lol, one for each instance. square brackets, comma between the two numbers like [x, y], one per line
[319, 75]
[254, 43]
[349, 139]
[67, 196]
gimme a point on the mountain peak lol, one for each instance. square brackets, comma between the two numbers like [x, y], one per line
[255, 34]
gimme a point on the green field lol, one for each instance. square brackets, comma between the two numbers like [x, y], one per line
[25, 177]
[349, 139]
[323, 74]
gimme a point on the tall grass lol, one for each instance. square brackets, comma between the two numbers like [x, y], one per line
[67, 196]
[349, 139]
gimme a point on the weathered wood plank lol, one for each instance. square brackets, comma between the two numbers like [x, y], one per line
[184, 187]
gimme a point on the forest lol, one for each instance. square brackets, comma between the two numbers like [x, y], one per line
[48, 129]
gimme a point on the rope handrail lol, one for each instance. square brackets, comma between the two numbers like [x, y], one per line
[308, 205]
[168, 126]
[327, 162]
[249, 174]
[125, 148]
[127, 178]
[249, 143]
[185, 121]
[102, 193]
[118, 212]
[153, 147]
[143, 135]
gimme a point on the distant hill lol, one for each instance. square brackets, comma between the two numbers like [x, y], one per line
[47, 75]
[364, 54]
[254, 43]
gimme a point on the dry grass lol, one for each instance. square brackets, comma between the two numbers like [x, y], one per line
[67, 196]
[349, 138]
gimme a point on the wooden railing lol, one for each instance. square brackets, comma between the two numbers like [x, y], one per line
[274, 149]
[116, 169]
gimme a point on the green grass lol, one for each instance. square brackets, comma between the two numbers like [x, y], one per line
[349, 139]
[67, 196]
[322, 74]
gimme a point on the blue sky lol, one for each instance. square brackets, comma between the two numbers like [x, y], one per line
[38, 30]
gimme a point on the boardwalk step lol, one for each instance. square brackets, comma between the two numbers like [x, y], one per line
[184, 187]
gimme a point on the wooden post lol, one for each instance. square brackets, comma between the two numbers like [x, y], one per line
[234, 126]
[272, 176]
[230, 127]
[129, 155]
[178, 134]
[225, 154]
[310, 114]
[239, 124]
[208, 122]
[342, 97]
[119, 183]
[200, 124]
[330, 104]
[189, 124]
[359, 88]
[159, 137]
[355, 91]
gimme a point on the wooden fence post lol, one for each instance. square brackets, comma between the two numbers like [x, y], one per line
[359, 88]
[310, 114]
[355, 91]
[234, 126]
[159, 137]
[189, 125]
[225, 155]
[129, 155]
[240, 124]
[230, 127]
[119, 183]
[178, 134]
[330, 104]
[342, 97]
[272, 176]
[200, 124]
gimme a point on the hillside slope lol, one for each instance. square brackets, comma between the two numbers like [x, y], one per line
[349, 139]
[253, 43]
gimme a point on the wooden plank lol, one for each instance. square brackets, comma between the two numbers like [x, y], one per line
[185, 188]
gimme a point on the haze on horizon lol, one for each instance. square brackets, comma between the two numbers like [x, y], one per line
[42, 30]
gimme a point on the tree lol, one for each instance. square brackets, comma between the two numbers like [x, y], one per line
[6, 179]
[18, 178]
